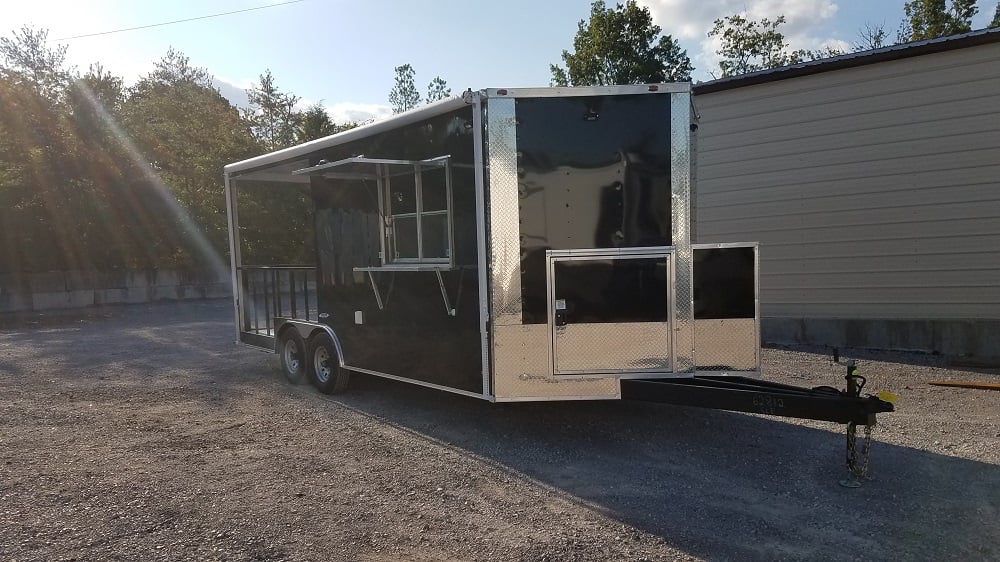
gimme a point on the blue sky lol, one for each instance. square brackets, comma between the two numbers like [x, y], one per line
[343, 52]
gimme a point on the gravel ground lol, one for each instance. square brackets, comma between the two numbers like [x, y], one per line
[143, 433]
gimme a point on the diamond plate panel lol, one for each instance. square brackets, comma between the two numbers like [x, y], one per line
[680, 186]
[504, 230]
[612, 347]
[523, 369]
[726, 344]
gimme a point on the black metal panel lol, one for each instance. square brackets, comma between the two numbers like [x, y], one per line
[741, 394]
[413, 336]
[724, 283]
[594, 172]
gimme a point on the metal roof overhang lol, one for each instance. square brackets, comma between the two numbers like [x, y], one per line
[303, 150]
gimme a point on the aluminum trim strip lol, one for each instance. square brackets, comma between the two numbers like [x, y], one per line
[720, 245]
[672, 304]
[411, 266]
[756, 300]
[560, 398]
[416, 382]
[505, 245]
[680, 185]
[611, 253]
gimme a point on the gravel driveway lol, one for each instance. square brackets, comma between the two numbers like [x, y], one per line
[143, 433]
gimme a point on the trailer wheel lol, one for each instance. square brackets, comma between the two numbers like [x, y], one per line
[324, 369]
[292, 349]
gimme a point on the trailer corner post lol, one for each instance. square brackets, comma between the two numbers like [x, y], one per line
[505, 244]
[476, 99]
[680, 194]
[235, 260]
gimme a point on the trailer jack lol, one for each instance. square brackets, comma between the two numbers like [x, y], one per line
[743, 394]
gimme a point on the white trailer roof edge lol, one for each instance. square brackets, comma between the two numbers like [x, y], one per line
[437, 108]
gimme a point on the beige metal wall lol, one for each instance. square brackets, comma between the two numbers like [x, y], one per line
[874, 191]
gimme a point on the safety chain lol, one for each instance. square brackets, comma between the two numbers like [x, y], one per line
[857, 473]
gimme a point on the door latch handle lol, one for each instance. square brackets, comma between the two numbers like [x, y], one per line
[560, 319]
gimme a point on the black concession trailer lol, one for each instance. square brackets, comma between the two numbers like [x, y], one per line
[519, 244]
[514, 245]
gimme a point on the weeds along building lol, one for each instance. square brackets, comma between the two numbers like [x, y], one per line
[872, 182]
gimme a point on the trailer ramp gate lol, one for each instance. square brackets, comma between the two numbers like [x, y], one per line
[742, 394]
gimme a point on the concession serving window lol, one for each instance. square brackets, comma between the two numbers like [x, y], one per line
[415, 207]
[415, 210]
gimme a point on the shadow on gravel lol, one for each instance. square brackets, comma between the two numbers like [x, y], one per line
[716, 484]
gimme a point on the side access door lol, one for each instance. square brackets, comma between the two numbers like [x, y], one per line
[611, 311]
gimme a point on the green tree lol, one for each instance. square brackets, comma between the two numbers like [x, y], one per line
[996, 17]
[43, 205]
[106, 88]
[314, 123]
[749, 45]
[437, 90]
[175, 68]
[184, 132]
[35, 222]
[404, 95]
[928, 19]
[64, 202]
[621, 45]
[26, 56]
[272, 115]
[871, 37]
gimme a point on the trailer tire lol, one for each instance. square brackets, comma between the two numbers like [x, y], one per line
[292, 350]
[324, 367]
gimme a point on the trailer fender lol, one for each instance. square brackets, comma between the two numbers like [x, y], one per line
[308, 330]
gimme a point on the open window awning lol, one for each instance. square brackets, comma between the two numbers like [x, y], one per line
[360, 167]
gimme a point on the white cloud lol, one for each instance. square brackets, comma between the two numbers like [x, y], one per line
[350, 112]
[339, 112]
[233, 90]
[343, 112]
[689, 21]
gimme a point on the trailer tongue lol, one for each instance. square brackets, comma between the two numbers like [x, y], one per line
[744, 394]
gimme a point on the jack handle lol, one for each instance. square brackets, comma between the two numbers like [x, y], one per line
[855, 382]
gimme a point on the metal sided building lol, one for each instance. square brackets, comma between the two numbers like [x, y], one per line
[521, 244]
[872, 182]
